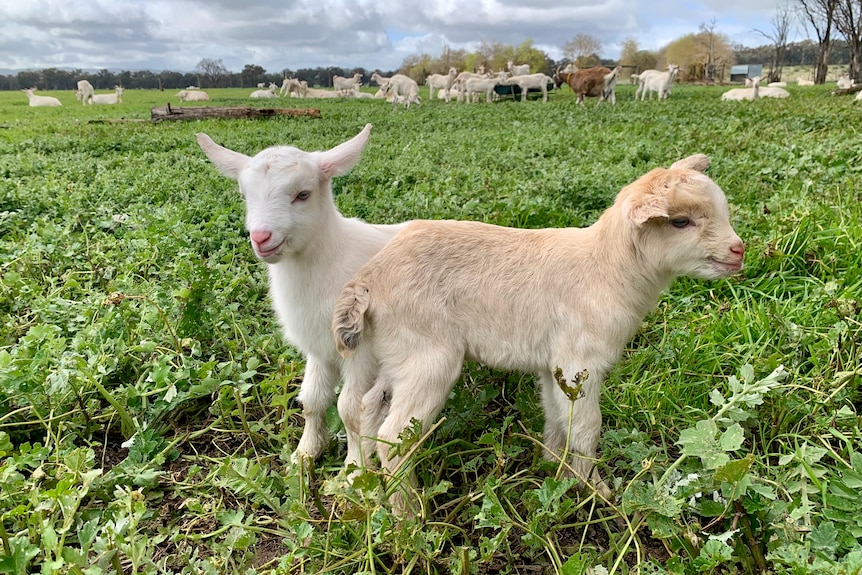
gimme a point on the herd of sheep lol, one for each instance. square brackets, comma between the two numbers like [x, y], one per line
[597, 82]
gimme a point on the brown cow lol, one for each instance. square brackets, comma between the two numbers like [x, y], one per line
[595, 82]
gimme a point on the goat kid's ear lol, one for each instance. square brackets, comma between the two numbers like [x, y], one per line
[697, 162]
[644, 206]
[228, 162]
[341, 158]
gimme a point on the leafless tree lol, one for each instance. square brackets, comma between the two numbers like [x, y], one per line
[820, 15]
[782, 22]
[707, 33]
[212, 70]
[848, 21]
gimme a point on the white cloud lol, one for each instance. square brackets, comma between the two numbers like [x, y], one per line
[278, 34]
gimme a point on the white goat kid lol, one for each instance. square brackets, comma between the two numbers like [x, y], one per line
[404, 90]
[270, 92]
[476, 86]
[290, 86]
[40, 101]
[192, 96]
[109, 99]
[517, 69]
[345, 85]
[85, 92]
[740, 94]
[656, 81]
[311, 251]
[561, 303]
[441, 83]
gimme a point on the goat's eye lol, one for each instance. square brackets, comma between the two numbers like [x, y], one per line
[302, 196]
[680, 222]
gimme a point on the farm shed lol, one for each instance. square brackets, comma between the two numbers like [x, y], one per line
[742, 71]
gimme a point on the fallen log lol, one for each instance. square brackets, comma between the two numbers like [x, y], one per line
[200, 112]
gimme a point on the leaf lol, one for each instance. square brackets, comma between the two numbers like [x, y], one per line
[700, 442]
[824, 538]
[731, 439]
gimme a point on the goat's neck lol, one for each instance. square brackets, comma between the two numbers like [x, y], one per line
[623, 268]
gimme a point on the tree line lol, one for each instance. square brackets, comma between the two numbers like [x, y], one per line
[704, 56]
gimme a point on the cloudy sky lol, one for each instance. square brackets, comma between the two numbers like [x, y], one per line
[277, 34]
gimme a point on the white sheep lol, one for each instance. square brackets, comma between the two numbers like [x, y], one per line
[441, 83]
[777, 85]
[115, 98]
[404, 90]
[192, 96]
[268, 93]
[656, 81]
[528, 82]
[772, 92]
[844, 81]
[461, 81]
[40, 101]
[517, 69]
[357, 93]
[311, 251]
[85, 92]
[345, 84]
[560, 303]
[803, 82]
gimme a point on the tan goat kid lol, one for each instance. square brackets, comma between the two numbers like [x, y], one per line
[560, 303]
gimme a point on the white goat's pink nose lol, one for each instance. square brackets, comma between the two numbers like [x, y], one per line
[738, 249]
[260, 238]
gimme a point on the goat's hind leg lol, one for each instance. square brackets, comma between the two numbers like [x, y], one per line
[360, 373]
[419, 388]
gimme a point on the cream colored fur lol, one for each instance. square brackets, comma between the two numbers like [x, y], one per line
[560, 303]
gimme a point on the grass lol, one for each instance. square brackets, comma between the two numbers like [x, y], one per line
[147, 401]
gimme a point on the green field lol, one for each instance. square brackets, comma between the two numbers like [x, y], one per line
[147, 399]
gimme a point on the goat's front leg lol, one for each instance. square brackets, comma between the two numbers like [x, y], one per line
[573, 426]
[316, 394]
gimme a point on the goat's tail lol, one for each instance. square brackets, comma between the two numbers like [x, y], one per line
[348, 317]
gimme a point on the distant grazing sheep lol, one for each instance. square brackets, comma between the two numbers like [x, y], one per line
[561, 303]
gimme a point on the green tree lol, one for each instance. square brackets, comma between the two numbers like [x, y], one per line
[252, 75]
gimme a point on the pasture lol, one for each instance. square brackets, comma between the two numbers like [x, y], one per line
[147, 399]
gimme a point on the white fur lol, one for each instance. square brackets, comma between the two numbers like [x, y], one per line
[404, 89]
[561, 303]
[114, 98]
[311, 250]
[345, 85]
[192, 96]
[85, 92]
[40, 101]
[531, 82]
[804, 82]
[441, 83]
[517, 69]
[268, 93]
[656, 81]
[290, 86]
